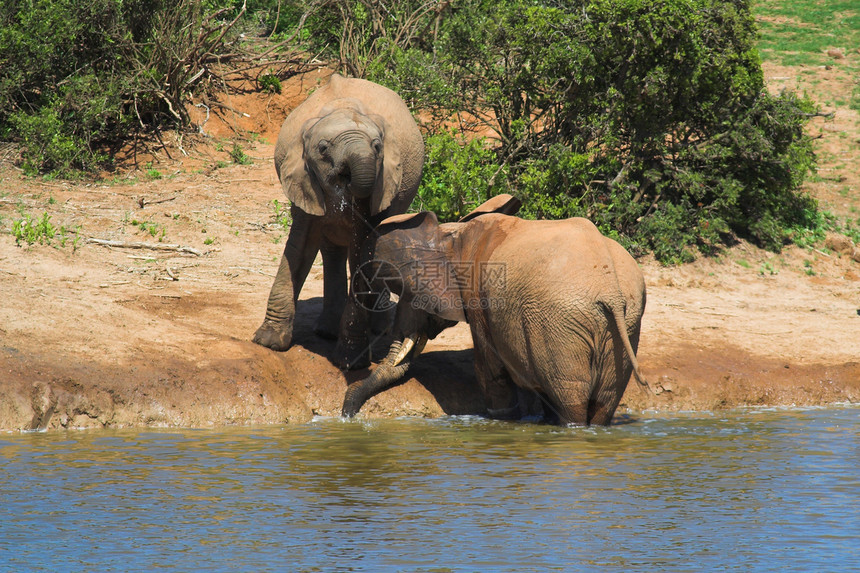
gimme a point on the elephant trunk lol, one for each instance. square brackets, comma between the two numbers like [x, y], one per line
[389, 372]
[361, 168]
[353, 346]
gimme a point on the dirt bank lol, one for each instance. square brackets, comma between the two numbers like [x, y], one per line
[94, 335]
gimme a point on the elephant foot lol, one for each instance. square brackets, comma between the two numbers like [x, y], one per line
[512, 413]
[325, 331]
[328, 324]
[352, 355]
[277, 336]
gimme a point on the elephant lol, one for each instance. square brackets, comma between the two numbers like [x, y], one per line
[347, 157]
[554, 307]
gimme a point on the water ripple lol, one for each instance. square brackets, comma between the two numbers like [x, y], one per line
[755, 490]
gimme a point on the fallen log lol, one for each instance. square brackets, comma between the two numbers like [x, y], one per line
[142, 245]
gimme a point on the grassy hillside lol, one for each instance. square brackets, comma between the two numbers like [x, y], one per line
[801, 32]
[813, 47]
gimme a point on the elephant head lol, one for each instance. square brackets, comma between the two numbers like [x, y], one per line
[336, 147]
[343, 151]
[409, 255]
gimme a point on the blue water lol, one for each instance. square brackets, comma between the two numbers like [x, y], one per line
[744, 491]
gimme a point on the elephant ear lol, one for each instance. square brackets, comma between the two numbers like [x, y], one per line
[392, 168]
[416, 218]
[298, 183]
[503, 204]
[432, 279]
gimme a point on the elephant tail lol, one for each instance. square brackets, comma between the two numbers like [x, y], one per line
[617, 313]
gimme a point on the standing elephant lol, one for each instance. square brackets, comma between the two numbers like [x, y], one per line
[554, 307]
[348, 157]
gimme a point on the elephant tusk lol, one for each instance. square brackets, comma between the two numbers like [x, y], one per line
[405, 349]
[412, 341]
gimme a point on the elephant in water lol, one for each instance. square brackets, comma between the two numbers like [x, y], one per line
[348, 157]
[554, 307]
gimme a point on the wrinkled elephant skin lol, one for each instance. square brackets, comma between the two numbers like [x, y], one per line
[348, 157]
[554, 308]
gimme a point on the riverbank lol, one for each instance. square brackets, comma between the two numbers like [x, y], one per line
[110, 334]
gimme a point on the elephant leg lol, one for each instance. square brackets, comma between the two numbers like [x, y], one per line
[605, 398]
[276, 332]
[613, 377]
[501, 396]
[500, 392]
[569, 399]
[600, 413]
[585, 390]
[565, 376]
[352, 351]
[334, 289]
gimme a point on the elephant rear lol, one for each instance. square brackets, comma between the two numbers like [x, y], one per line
[557, 332]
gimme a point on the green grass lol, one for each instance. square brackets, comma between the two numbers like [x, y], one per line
[154, 229]
[282, 215]
[238, 155]
[800, 32]
[31, 231]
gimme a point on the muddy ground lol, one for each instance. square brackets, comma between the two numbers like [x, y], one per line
[107, 336]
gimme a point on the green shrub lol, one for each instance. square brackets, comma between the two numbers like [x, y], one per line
[281, 215]
[270, 83]
[31, 231]
[51, 145]
[649, 117]
[547, 183]
[154, 229]
[458, 176]
[78, 77]
[238, 155]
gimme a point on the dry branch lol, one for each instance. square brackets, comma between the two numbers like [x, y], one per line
[142, 245]
[143, 201]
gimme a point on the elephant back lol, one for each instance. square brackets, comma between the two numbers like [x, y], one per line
[551, 260]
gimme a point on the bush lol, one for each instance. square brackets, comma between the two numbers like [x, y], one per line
[238, 155]
[649, 117]
[80, 76]
[50, 145]
[270, 83]
[29, 231]
[458, 176]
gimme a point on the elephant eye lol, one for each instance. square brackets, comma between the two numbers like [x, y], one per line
[323, 147]
[377, 145]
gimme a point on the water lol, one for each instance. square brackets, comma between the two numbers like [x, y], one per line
[747, 491]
